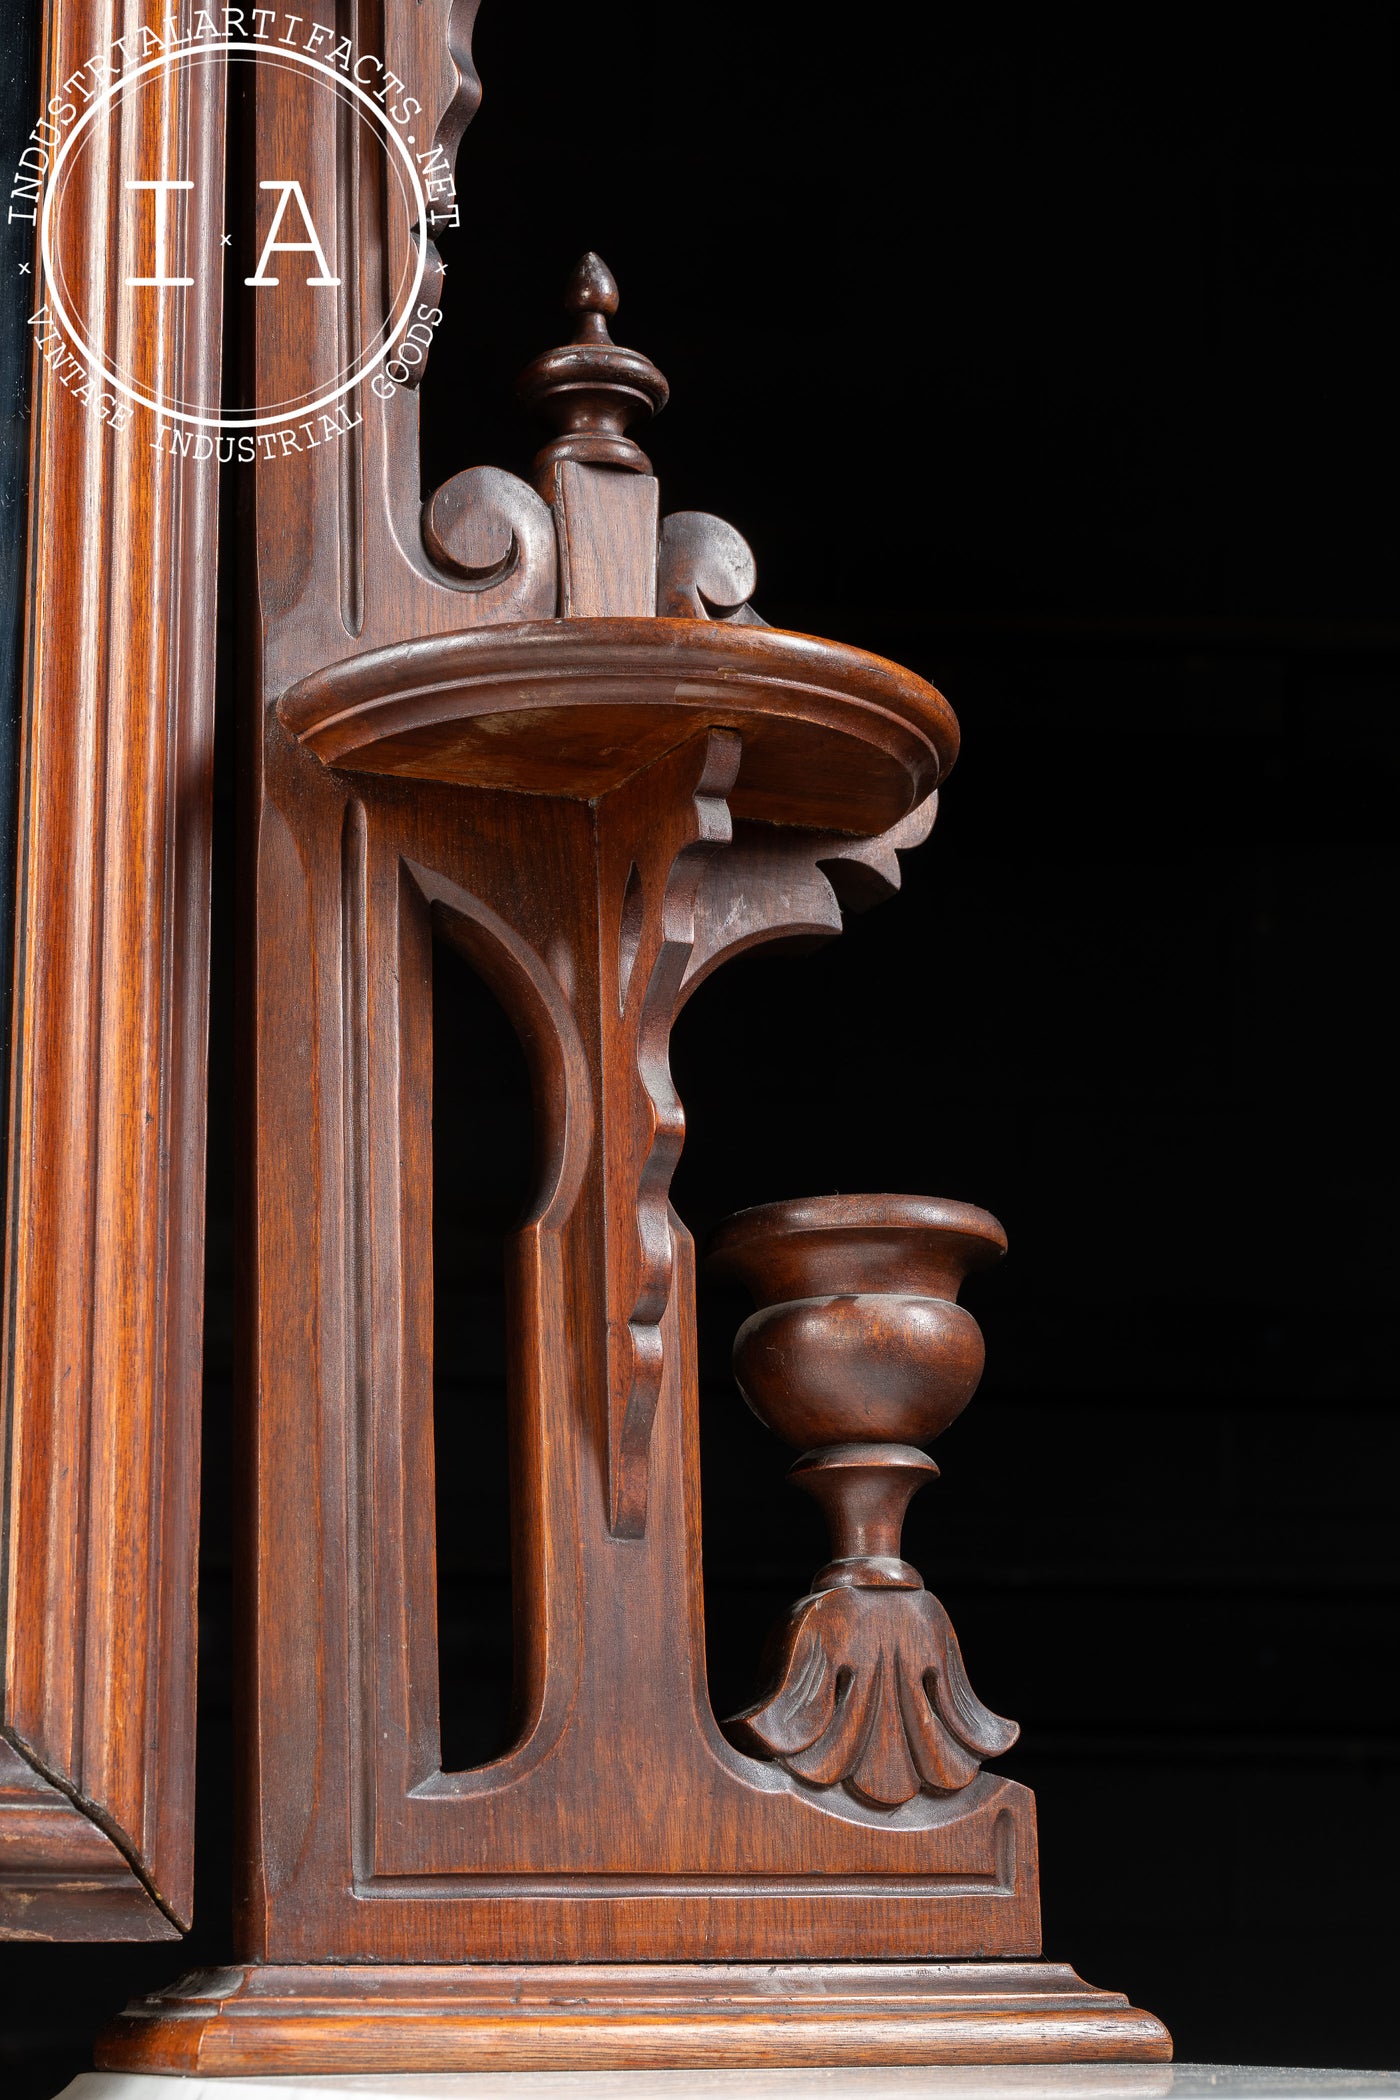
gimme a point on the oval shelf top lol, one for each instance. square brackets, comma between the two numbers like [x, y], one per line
[834, 738]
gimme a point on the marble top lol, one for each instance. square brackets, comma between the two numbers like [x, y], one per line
[898, 2082]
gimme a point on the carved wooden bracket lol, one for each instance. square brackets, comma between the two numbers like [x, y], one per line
[656, 835]
[613, 656]
[544, 725]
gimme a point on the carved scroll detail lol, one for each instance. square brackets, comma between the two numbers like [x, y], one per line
[656, 833]
[871, 1694]
[706, 570]
[491, 528]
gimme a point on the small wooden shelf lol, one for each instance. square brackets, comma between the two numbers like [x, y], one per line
[834, 739]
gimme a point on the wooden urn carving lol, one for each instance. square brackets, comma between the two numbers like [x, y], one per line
[858, 1353]
[542, 723]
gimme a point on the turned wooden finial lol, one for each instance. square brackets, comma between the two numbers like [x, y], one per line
[592, 292]
[592, 388]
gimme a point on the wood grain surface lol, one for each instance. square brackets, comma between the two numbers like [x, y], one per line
[857, 1354]
[554, 2016]
[572, 801]
[475, 725]
[104, 1248]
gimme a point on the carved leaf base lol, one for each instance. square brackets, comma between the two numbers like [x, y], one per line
[871, 1692]
[618, 2016]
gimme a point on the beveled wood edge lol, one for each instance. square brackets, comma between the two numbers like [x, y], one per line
[332, 710]
[600, 2016]
[61, 1877]
[97, 1614]
[804, 1217]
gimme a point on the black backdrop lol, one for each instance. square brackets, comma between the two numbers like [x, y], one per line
[18, 96]
[1057, 364]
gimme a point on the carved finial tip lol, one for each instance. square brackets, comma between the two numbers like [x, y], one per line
[591, 388]
[592, 288]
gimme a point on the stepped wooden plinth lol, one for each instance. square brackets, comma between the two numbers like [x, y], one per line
[652, 2015]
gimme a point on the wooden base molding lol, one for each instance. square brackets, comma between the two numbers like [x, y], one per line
[358, 2018]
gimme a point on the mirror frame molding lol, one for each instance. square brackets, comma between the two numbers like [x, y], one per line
[103, 1307]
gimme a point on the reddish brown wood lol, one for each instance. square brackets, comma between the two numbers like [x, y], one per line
[61, 1878]
[607, 542]
[858, 1343]
[621, 1813]
[706, 570]
[508, 721]
[621, 1823]
[821, 1246]
[104, 1256]
[864, 1491]
[834, 739]
[657, 2014]
[592, 388]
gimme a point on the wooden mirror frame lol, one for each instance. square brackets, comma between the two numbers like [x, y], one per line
[105, 1191]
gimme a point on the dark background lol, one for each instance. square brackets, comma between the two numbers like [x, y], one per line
[1058, 365]
[18, 104]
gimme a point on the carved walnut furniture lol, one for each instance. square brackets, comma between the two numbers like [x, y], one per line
[103, 1297]
[538, 722]
[558, 738]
